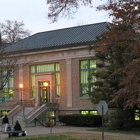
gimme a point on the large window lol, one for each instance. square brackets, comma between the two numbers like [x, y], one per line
[54, 67]
[8, 89]
[86, 68]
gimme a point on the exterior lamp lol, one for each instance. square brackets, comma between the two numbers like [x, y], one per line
[45, 84]
[21, 87]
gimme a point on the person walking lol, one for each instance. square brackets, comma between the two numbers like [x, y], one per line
[5, 121]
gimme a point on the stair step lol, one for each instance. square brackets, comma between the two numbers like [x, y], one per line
[20, 116]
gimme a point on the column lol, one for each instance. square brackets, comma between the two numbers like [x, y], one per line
[21, 80]
[69, 83]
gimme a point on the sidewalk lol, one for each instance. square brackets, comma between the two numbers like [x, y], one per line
[63, 129]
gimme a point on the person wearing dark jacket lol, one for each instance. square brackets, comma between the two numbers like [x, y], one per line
[17, 127]
[5, 121]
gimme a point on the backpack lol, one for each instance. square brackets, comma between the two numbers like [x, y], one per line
[23, 134]
[8, 128]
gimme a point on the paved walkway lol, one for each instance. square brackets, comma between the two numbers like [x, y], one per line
[62, 129]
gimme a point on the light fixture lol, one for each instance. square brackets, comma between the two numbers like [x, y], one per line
[45, 84]
[20, 85]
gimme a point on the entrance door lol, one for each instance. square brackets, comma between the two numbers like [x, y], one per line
[44, 92]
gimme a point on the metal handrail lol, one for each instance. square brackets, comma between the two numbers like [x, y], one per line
[27, 103]
[27, 115]
[13, 111]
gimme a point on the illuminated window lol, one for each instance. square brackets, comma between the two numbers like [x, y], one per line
[33, 92]
[4, 112]
[86, 69]
[84, 112]
[87, 112]
[52, 114]
[52, 117]
[32, 69]
[8, 89]
[137, 115]
[57, 67]
[93, 112]
[44, 68]
[57, 84]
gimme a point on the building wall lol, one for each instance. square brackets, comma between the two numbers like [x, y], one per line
[69, 77]
[26, 82]
[80, 102]
[16, 85]
[63, 87]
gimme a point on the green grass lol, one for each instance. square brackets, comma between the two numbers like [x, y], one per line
[134, 132]
[46, 137]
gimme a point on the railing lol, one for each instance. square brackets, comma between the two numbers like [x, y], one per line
[27, 103]
[36, 120]
[27, 115]
[12, 112]
[52, 105]
[36, 113]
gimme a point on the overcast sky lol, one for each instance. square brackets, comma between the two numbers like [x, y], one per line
[34, 15]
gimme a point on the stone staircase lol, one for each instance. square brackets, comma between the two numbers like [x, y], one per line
[20, 116]
[37, 116]
[30, 116]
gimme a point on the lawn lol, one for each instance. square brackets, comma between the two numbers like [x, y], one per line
[89, 134]
[133, 132]
[74, 136]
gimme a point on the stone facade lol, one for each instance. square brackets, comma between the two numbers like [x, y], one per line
[70, 100]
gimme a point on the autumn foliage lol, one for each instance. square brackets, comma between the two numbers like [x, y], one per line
[119, 47]
[122, 40]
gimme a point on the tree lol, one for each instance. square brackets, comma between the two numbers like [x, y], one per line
[120, 45]
[9, 64]
[65, 7]
[13, 31]
[108, 61]
[7, 67]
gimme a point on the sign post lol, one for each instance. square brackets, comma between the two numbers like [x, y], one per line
[102, 109]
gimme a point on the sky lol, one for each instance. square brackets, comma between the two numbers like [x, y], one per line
[34, 15]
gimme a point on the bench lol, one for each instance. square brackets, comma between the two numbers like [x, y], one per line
[12, 132]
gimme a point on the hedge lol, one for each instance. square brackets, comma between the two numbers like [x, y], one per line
[81, 120]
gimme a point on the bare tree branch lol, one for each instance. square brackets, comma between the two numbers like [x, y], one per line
[66, 8]
[13, 31]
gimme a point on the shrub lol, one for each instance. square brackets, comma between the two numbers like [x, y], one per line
[120, 119]
[81, 120]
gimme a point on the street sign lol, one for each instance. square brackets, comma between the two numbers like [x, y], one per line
[102, 107]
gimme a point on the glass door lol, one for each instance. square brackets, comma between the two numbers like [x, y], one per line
[44, 92]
